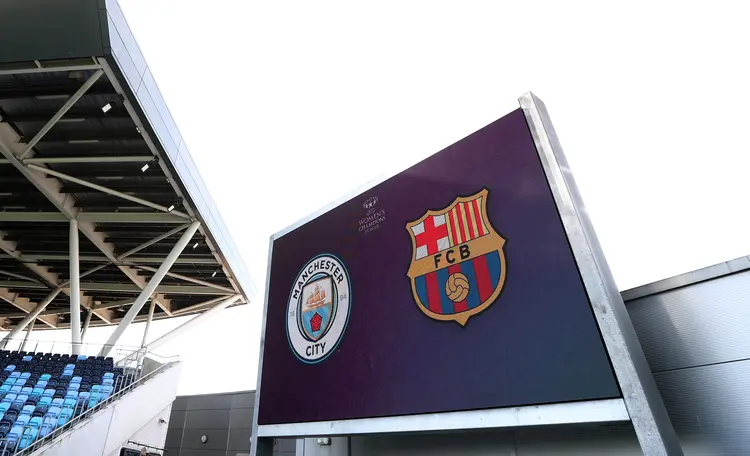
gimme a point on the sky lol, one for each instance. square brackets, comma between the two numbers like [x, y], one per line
[648, 99]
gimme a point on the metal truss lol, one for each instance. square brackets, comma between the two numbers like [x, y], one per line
[22, 157]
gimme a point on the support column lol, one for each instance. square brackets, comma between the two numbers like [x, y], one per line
[86, 324]
[28, 333]
[150, 288]
[31, 316]
[189, 324]
[148, 322]
[75, 290]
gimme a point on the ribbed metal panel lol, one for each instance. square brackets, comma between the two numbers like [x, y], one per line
[700, 324]
[710, 407]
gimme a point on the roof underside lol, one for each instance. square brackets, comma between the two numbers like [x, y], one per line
[103, 164]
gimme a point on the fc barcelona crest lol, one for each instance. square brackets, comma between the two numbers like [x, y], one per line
[458, 264]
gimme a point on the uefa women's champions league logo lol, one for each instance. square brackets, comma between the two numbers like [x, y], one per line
[318, 308]
[458, 264]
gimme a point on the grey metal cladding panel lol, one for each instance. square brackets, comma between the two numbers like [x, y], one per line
[176, 419]
[710, 407]
[239, 439]
[611, 440]
[49, 29]
[210, 402]
[207, 419]
[180, 403]
[286, 444]
[241, 418]
[701, 324]
[492, 443]
[174, 438]
[194, 452]
[244, 399]
[216, 439]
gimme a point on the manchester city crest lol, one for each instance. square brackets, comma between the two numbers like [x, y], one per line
[318, 308]
[458, 264]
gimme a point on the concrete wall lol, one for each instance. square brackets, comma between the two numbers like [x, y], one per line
[225, 420]
[135, 414]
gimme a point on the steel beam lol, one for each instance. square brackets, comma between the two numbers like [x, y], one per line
[150, 287]
[196, 307]
[51, 279]
[33, 314]
[120, 288]
[173, 180]
[33, 258]
[51, 189]
[106, 190]
[95, 217]
[53, 69]
[193, 322]
[17, 276]
[148, 323]
[75, 290]
[86, 324]
[26, 337]
[61, 112]
[189, 279]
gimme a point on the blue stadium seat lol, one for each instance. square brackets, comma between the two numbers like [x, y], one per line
[39, 392]
[66, 413]
[30, 432]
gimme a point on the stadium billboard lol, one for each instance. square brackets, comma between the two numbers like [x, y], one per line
[456, 294]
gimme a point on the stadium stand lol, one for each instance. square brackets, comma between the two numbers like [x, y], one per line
[104, 221]
[43, 391]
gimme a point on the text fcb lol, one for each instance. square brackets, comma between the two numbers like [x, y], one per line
[458, 264]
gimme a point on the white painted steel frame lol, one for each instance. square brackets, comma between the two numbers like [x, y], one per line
[601, 411]
[150, 287]
[646, 409]
[18, 158]
[644, 405]
[75, 290]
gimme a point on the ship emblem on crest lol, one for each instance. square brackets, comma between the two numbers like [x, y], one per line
[318, 308]
[458, 265]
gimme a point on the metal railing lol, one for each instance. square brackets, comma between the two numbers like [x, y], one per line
[132, 378]
[48, 346]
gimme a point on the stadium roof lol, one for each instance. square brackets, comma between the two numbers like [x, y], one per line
[86, 135]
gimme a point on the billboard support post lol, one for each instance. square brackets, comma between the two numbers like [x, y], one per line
[643, 401]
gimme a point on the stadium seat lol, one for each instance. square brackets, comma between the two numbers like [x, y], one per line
[39, 392]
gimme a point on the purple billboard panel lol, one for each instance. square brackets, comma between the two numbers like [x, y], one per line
[449, 287]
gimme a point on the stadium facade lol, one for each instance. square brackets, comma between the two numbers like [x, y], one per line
[104, 221]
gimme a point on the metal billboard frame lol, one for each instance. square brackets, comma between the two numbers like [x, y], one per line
[641, 402]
